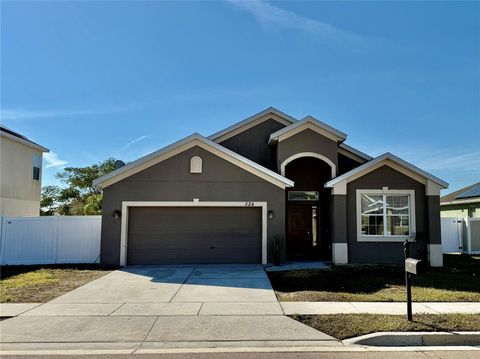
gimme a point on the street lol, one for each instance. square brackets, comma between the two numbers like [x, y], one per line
[444, 354]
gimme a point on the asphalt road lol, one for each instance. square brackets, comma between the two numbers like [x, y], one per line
[450, 354]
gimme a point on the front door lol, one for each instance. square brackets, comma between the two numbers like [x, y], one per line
[301, 231]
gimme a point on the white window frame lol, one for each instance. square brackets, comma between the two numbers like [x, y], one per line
[126, 205]
[386, 238]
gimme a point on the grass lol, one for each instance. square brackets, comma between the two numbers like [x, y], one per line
[343, 326]
[457, 281]
[39, 284]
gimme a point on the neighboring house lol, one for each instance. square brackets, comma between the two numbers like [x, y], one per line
[20, 174]
[462, 203]
[226, 198]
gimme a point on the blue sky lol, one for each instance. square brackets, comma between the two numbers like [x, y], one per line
[91, 80]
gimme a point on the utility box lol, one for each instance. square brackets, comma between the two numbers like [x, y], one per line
[414, 266]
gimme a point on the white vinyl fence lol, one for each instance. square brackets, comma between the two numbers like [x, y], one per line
[460, 235]
[50, 240]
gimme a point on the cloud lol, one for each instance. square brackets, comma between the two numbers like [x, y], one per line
[451, 159]
[132, 142]
[24, 114]
[188, 96]
[52, 160]
[435, 159]
[270, 15]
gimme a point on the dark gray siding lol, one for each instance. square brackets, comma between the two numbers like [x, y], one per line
[307, 141]
[346, 164]
[171, 180]
[381, 252]
[434, 224]
[253, 143]
[339, 219]
[160, 235]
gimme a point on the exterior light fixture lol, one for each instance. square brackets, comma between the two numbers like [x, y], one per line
[117, 214]
[270, 214]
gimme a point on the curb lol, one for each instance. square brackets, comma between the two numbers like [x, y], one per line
[421, 339]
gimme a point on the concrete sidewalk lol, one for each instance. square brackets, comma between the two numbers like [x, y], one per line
[229, 308]
[290, 308]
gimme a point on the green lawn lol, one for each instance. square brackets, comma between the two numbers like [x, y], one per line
[458, 280]
[39, 284]
[343, 326]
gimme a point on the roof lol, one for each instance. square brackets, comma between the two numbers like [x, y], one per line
[249, 122]
[355, 151]
[15, 136]
[183, 145]
[468, 193]
[386, 156]
[308, 122]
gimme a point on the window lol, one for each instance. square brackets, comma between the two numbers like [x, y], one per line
[303, 196]
[196, 164]
[37, 162]
[385, 215]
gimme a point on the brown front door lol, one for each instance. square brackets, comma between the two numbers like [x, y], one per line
[299, 231]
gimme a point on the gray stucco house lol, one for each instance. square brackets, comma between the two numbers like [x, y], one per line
[226, 197]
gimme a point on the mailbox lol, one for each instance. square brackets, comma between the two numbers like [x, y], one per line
[414, 266]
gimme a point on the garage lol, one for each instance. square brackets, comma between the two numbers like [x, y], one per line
[181, 235]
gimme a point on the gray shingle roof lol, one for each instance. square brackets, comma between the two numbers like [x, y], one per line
[468, 192]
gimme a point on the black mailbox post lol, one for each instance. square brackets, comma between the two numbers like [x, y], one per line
[412, 266]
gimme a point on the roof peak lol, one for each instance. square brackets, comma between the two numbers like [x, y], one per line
[224, 134]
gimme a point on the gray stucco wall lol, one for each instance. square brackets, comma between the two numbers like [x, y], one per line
[434, 224]
[253, 143]
[381, 252]
[339, 219]
[307, 141]
[171, 180]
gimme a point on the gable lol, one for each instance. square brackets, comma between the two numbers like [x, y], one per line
[177, 169]
[432, 183]
[270, 113]
[183, 145]
[387, 175]
[307, 141]
[308, 123]
[253, 143]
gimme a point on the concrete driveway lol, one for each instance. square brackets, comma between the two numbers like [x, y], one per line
[163, 306]
[171, 290]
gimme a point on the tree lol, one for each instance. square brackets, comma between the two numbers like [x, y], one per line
[79, 196]
[49, 200]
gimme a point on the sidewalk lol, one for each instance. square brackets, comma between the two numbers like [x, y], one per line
[234, 308]
[290, 308]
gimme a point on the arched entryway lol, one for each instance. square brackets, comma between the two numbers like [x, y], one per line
[308, 209]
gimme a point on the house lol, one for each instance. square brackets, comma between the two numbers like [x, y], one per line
[20, 174]
[229, 197]
[462, 203]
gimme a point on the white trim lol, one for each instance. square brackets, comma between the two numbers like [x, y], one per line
[432, 188]
[458, 201]
[308, 123]
[252, 121]
[183, 145]
[386, 238]
[435, 255]
[24, 141]
[308, 154]
[353, 153]
[392, 161]
[127, 204]
[340, 253]
[468, 229]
